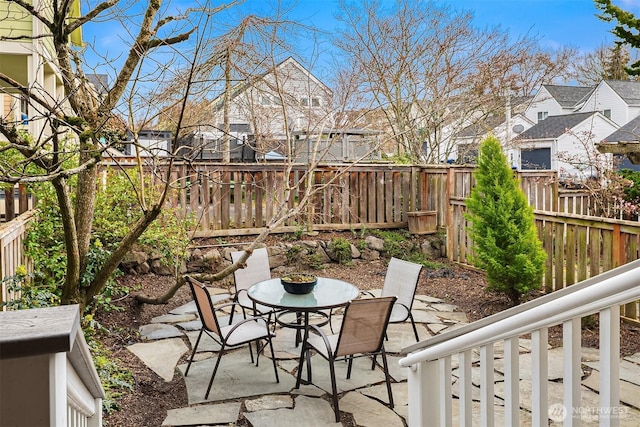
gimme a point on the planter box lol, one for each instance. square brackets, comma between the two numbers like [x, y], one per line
[422, 222]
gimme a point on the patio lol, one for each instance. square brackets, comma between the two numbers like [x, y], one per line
[242, 390]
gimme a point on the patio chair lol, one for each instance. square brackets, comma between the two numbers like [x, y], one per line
[228, 336]
[257, 270]
[401, 281]
[362, 333]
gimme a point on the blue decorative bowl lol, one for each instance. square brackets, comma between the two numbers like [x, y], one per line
[299, 283]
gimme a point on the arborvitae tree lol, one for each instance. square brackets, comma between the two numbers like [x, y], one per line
[502, 227]
[627, 28]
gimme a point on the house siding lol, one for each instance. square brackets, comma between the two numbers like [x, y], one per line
[605, 98]
[15, 21]
[543, 102]
[572, 152]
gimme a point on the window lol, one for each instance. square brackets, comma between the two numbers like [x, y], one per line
[542, 115]
[265, 100]
[315, 102]
[24, 111]
[607, 113]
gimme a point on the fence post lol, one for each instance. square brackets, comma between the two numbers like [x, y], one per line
[449, 219]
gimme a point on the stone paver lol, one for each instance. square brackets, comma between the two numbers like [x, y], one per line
[158, 331]
[221, 413]
[368, 412]
[308, 412]
[160, 356]
[266, 403]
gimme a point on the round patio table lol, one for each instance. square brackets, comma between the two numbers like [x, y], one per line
[327, 294]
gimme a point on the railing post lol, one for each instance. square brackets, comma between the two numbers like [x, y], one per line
[424, 405]
[466, 400]
[486, 385]
[512, 381]
[610, 365]
[571, 339]
[539, 375]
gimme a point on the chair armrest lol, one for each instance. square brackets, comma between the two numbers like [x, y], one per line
[318, 331]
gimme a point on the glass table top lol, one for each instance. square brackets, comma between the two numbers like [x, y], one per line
[328, 293]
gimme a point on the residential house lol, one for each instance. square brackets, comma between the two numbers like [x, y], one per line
[624, 143]
[28, 58]
[556, 100]
[284, 108]
[617, 100]
[565, 143]
[503, 126]
[287, 98]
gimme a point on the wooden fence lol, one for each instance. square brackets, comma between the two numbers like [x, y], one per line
[233, 199]
[12, 236]
[11, 207]
[243, 198]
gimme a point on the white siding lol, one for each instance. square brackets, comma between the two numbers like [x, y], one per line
[580, 149]
[604, 98]
[543, 102]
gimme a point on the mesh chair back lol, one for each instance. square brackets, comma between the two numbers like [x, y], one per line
[205, 306]
[257, 270]
[364, 326]
[401, 281]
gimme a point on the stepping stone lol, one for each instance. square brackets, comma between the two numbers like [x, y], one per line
[194, 325]
[160, 356]
[274, 401]
[629, 371]
[444, 307]
[222, 413]
[157, 331]
[400, 393]
[361, 374]
[424, 316]
[236, 378]
[206, 342]
[629, 393]
[401, 336]
[173, 318]
[307, 412]
[308, 390]
[427, 299]
[635, 358]
[190, 307]
[368, 412]
[555, 363]
[436, 327]
[455, 316]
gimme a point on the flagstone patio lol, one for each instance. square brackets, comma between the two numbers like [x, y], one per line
[242, 389]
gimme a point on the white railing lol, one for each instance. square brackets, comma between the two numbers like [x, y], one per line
[430, 362]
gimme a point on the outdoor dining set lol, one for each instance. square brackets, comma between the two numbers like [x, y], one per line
[260, 303]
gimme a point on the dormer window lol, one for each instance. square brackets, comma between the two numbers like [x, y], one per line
[304, 102]
[542, 115]
[315, 102]
[607, 113]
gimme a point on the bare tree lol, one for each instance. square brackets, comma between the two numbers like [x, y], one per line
[75, 131]
[70, 135]
[604, 62]
[430, 71]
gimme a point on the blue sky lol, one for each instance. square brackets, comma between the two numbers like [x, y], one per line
[556, 22]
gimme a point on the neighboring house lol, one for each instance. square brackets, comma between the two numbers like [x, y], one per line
[565, 143]
[150, 143]
[284, 99]
[617, 100]
[625, 144]
[468, 141]
[26, 61]
[284, 102]
[505, 127]
[556, 100]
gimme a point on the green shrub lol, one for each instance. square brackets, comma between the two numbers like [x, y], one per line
[340, 249]
[502, 227]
